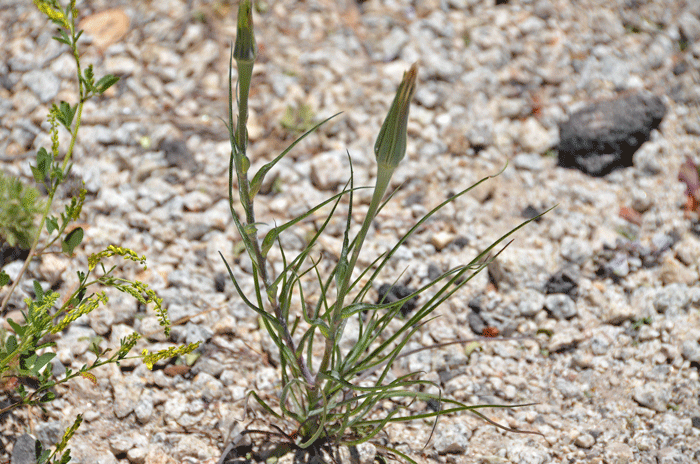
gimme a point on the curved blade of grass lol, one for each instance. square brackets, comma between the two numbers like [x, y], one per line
[272, 234]
[410, 232]
[397, 452]
[240, 292]
[460, 407]
[257, 181]
[263, 404]
[445, 292]
[321, 425]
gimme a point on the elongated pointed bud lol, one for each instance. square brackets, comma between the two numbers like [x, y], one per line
[245, 49]
[390, 147]
[244, 52]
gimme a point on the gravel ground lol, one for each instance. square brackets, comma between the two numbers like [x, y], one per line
[602, 291]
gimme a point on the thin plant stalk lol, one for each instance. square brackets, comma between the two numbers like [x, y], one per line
[70, 25]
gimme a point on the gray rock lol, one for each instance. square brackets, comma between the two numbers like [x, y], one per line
[144, 409]
[127, 391]
[524, 454]
[585, 440]
[690, 26]
[452, 438]
[43, 83]
[531, 302]
[427, 97]
[568, 389]
[23, 451]
[672, 299]
[210, 387]
[121, 443]
[564, 340]
[137, 455]
[175, 406]
[671, 455]
[529, 161]
[196, 201]
[366, 453]
[197, 333]
[533, 137]
[652, 395]
[208, 365]
[560, 306]
[603, 136]
[50, 432]
[691, 350]
[330, 170]
[390, 47]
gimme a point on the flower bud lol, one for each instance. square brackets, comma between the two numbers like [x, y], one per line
[245, 49]
[390, 147]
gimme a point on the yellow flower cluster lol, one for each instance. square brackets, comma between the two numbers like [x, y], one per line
[55, 15]
[149, 359]
[72, 315]
[112, 250]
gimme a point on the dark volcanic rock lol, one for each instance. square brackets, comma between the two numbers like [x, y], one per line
[603, 136]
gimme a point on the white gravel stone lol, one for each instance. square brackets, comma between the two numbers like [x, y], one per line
[494, 83]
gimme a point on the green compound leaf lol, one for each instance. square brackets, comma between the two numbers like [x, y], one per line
[4, 278]
[65, 114]
[62, 37]
[38, 291]
[10, 344]
[72, 240]
[41, 362]
[48, 397]
[106, 82]
[51, 224]
[43, 164]
[19, 330]
[89, 78]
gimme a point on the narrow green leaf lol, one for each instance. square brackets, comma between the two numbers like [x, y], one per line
[42, 361]
[272, 235]
[355, 308]
[38, 291]
[257, 181]
[10, 344]
[106, 82]
[43, 165]
[19, 330]
[323, 327]
[51, 224]
[72, 240]
[62, 38]
[48, 397]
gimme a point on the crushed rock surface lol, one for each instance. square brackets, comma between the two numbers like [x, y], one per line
[612, 367]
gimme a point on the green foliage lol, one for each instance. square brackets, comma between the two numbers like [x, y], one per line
[20, 207]
[337, 397]
[23, 349]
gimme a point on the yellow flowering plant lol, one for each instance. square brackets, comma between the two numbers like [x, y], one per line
[24, 353]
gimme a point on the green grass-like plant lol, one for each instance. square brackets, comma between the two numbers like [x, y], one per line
[25, 351]
[337, 396]
[19, 208]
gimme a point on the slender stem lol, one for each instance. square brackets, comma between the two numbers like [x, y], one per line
[242, 165]
[381, 185]
[52, 192]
